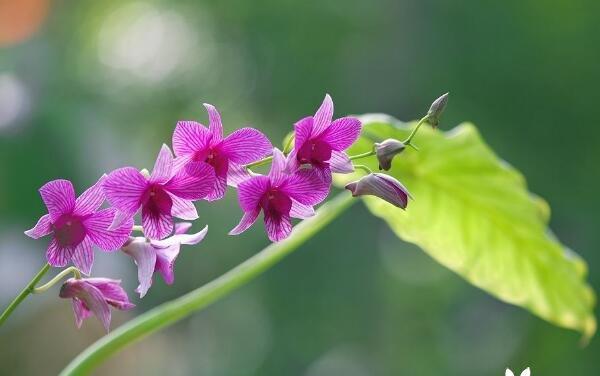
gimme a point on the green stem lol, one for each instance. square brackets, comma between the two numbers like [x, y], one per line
[414, 131]
[170, 312]
[364, 168]
[58, 277]
[362, 155]
[26, 291]
[263, 161]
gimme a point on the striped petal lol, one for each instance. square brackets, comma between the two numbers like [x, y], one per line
[91, 199]
[59, 197]
[98, 229]
[57, 255]
[342, 133]
[42, 228]
[215, 126]
[163, 166]
[323, 117]
[247, 220]
[124, 188]
[246, 145]
[190, 137]
[83, 256]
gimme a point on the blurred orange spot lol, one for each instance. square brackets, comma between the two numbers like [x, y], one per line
[19, 19]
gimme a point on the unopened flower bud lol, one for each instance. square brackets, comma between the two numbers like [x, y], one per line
[436, 109]
[383, 186]
[386, 151]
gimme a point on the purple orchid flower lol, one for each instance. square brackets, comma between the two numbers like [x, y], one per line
[159, 255]
[321, 142]
[192, 141]
[280, 196]
[95, 295]
[76, 225]
[165, 194]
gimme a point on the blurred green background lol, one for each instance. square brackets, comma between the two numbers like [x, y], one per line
[86, 87]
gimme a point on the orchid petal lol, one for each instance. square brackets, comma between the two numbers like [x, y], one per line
[218, 190]
[301, 211]
[188, 239]
[124, 188]
[306, 186]
[302, 131]
[163, 166]
[192, 182]
[340, 163]
[97, 227]
[247, 220]
[94, 301]
[278, 166]
[214, 123]
[182, 227]
[251, 191]
[113, 292]
[278, 227]
[237, 174]
[189, 138]
[144, 256]
[183, 209]
[83, 256]
[42, 228]
[59, 197]
[57, 255]
[165, 262]
[157, 225]
[342, 133]
[80, 311]
[323, 117]
[246, 145]
[91, 199]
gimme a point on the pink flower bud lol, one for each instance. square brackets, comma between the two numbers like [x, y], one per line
[383, 186]
[386, 151]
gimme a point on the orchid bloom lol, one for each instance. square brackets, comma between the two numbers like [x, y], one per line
[167, 193]
[321, 142]
[192, 141]
[280, 196]
[76, 225]
[159, 255]
[95, 295]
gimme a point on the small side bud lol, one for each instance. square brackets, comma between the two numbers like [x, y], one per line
[436, 109]
[383, 186]
[386, 151]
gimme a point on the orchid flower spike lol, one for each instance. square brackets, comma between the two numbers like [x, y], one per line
[76, 225]
[321, 142]
[95, 296]
[280, 196]
[159, 256]
[192, 141]
[167, 193]
[383, 186]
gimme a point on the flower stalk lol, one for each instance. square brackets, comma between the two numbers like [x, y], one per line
[170, 312]
[24, 293]
[58, 278]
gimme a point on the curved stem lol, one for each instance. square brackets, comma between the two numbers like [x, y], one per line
[57, 278]
[362, 155]
[414, 132]
[26, 291]
[170, 312]
[364, 168]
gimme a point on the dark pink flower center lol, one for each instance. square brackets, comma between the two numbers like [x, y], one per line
[156, 200]
[69, 230]
[275, 202]
[314, 152]
[212, 156]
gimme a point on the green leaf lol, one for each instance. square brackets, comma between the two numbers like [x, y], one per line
[473, 214]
